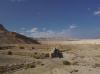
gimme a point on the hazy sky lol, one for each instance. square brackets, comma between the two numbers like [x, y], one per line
[44, 18]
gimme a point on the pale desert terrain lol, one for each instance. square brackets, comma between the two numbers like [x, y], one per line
[80, 57]
[82, 41]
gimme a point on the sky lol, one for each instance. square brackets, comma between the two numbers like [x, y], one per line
[52, 18]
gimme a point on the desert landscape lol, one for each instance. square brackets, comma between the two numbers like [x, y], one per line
[79, 56]
[49, 36]
[24, 59]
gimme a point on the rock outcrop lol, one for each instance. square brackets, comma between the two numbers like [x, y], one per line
[7, 37]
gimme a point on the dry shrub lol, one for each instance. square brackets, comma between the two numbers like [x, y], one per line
[36, 56]
[32, 65]
[66, 63]
[22, 47]
[42, 64]
[97, 65]
[33, 48]
[9, 53]
[11, 68]
[40, 55]
[35, 53]
[1, 48]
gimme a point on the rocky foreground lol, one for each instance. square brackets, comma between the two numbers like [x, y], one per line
[34, 59]
[85, 60]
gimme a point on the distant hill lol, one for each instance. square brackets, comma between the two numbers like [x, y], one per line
[7, 37]
[57, 39]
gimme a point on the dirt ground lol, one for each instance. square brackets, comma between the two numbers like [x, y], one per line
[78, 59]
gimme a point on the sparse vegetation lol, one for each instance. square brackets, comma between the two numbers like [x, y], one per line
[74, 71]
[22, 47]
[0, 48]
[33, 48]
[97, 65]
[40, 55]
[31, 65]
[9, 53]
[35, 53]
[4, 69]
[6, 47]
[66, 63]
[42, 64]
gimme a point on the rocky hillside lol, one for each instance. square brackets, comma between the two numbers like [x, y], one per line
[7, 37]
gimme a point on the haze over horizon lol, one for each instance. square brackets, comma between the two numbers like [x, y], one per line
[52, 18]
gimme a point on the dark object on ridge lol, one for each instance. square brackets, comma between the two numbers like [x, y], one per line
[57, 54]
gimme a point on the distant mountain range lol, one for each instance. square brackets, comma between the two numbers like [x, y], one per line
[56, 39]
[7, 37]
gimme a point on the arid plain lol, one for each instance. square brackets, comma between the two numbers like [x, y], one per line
[82, 56]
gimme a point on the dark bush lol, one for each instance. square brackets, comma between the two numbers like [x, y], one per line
[9, 53]
[97, 65]
[66, 63]
[33, 48]
[0, 48]
[42, 64]
[37, 56]
[35, 53]
[22, 47]
[30, 65]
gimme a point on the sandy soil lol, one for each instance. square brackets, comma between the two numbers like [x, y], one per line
[84, 57]
[84, 61]
[84, 41]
